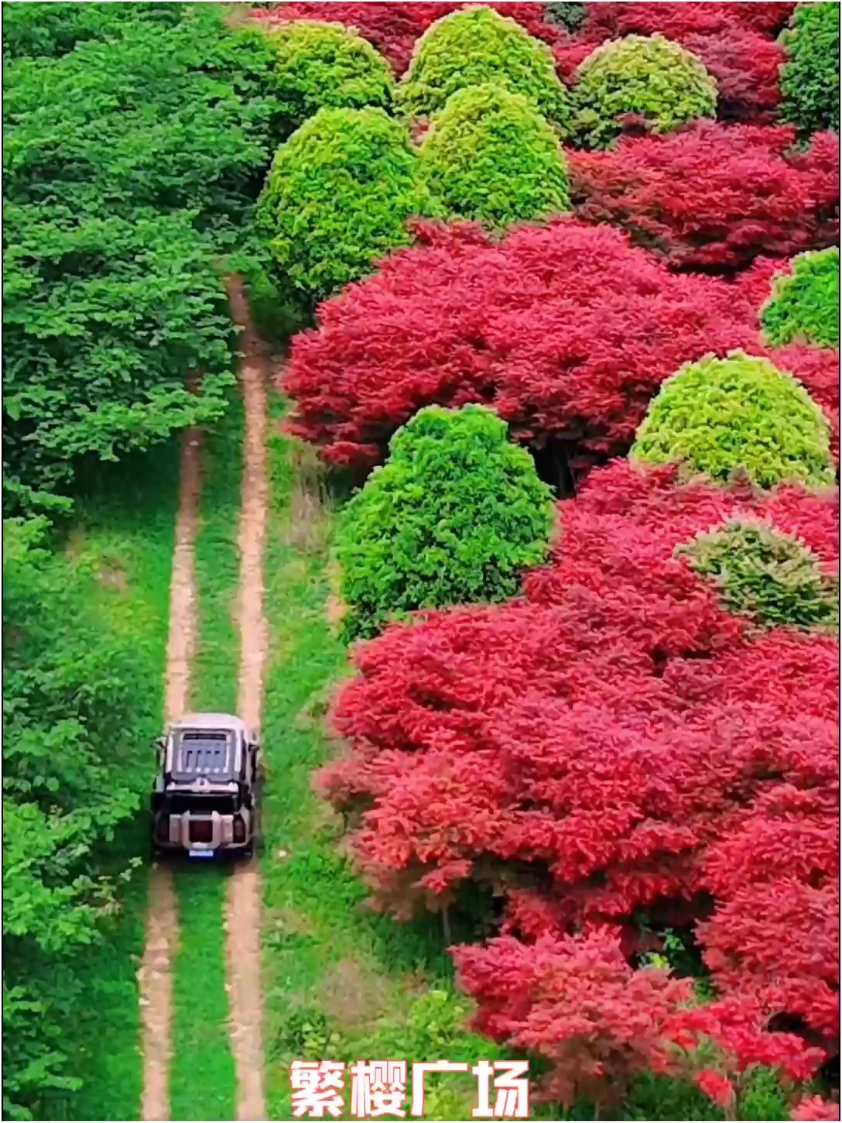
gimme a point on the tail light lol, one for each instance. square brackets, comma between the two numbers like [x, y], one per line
[163, 831]
[239, 829]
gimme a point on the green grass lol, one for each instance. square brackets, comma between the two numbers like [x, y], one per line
[202, 1075]
[125, 524]
[340, 980]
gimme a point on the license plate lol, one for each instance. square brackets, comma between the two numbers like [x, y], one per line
[201, 853]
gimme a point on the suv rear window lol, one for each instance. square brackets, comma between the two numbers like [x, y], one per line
[201, 804]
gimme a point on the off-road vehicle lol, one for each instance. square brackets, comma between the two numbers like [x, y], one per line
[206, 795]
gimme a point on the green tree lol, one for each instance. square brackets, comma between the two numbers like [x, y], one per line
[453, 517]
[810, 75]
[647, 77]
[804, 305]
[473, 47]
[720, 416]
[324, 66]
[761, 572]
[337, 198]
[492, 157]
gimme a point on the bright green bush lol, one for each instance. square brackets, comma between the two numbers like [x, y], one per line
[804, 304]
[325, 65]
[453, 517]
[337, 198]
[492, 157]
[473, 47]
[761, 572]
[810, 75]
[719, 416]
[52, 29]
[643, 76]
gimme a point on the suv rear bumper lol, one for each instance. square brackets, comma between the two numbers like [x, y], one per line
[215, 832]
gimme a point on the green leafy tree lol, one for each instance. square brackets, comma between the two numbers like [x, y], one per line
[737, 414]
[337, 198]
[643, 77]
[454, 516]
[324, 65]
[129, 163]
[75, 763]
[810, 75]
[473, 47]
[804, 305]
[492, 157]
[761, 572]
[53, 29]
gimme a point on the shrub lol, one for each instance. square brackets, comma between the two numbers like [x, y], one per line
[650, 79]
[564, 329]
[804, 305]
[492, 157]
[762, 573]
[337, 198]
[717, 416]
[570, 16]
[711, 197]
[454, 516]
[474, 47]
[810, 76]
[324, 65]
[746, 68]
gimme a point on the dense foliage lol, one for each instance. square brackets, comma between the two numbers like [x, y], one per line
[52, 29]
[619, 748]
[324, 65]
[810, 76]
[766, 574]
[804, 304]
[650, 80]
[125, 161]
[565, 329]
[454, 516]
[473, 47]
[712, 197]
[71, 711]
[490, 156]
[739, 413]
[337, 198]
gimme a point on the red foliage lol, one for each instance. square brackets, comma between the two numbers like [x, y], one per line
[815, 1108]
[675, 20]
[746, 67]
[714, 198]
[576, 1002]
[566, 329]
[614, 743]
[394, 28]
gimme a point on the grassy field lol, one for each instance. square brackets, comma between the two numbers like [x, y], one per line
[125, 525]
[340, 981]
[202, 1078]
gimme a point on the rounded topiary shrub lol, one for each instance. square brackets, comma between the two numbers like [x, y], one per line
[804, 305]
[473, 47]
[491, 156]
[761, 572]
[337, 198]
[810, 75]
[646, 79]
[324, 65]
[453, 517]
[739, 414]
